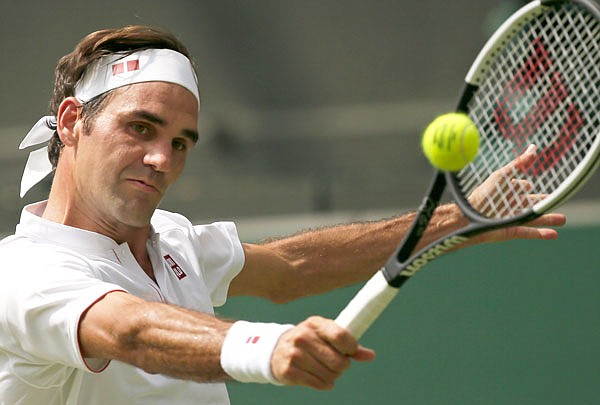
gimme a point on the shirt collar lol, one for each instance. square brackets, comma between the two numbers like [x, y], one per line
[34, 227]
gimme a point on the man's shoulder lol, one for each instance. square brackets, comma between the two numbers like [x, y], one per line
[171, 225]
[18, 243]
[27, 250]
[165, 220]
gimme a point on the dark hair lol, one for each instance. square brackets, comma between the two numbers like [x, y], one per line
[71, 67]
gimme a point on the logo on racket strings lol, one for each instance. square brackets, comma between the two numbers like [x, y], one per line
[430, 254]
[538, 73]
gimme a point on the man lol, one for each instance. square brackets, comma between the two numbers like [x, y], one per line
[106, 300]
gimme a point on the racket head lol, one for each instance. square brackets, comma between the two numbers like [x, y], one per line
[536, 81]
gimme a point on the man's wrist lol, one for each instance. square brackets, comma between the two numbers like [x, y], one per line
[247, 351]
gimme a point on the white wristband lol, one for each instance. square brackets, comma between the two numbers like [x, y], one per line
[247, 351]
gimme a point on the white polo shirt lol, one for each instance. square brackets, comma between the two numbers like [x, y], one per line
[51, 273]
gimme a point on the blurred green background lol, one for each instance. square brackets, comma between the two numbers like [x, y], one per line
[512, 323]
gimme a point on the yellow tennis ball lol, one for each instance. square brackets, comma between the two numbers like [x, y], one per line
[451, 141]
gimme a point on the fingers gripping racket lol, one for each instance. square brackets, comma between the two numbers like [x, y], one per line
[535, 82]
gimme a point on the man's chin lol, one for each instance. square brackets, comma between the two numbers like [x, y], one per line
[137, 214]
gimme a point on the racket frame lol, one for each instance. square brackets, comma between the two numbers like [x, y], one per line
[378, 292]
[395, 269]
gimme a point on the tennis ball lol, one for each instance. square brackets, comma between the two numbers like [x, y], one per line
[451, 141]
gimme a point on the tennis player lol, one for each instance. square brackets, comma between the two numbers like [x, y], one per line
[105, 299]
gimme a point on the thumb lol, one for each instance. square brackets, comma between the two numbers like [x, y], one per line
[363, 354]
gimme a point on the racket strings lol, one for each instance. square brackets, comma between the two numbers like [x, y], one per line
[541, 89]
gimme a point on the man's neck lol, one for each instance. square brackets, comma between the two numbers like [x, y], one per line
[135, 237]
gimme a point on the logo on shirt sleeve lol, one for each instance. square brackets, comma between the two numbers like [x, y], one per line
[178, 271]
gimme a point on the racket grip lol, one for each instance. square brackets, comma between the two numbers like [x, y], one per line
[367, 305]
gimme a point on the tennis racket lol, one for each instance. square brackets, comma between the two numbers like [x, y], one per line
[535, 82]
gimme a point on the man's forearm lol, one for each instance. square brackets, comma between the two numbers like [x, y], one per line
[156, 337]
[321, 260]
[347, 254]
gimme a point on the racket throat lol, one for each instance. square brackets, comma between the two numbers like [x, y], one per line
[397, 273]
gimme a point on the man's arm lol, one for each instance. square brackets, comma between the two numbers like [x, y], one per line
[318, 261]
[167, 339]
[156, 337]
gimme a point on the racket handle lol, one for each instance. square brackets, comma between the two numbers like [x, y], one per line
[367, 305]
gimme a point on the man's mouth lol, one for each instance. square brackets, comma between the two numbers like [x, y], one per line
[146, 185]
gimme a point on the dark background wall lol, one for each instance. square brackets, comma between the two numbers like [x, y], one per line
[309, 106]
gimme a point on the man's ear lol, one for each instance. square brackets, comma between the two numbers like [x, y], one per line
[66, 119]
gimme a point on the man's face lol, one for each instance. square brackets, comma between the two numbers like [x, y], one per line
[136, 148]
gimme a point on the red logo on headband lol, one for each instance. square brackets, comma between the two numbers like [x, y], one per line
[128, 66]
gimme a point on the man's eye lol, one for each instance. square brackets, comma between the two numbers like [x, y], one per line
[140, 129]
[179, 145]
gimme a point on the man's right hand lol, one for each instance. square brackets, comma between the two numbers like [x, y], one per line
[315, 353]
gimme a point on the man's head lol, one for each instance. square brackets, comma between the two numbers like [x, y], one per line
[72, 66]
[124, 115]
[113, 175]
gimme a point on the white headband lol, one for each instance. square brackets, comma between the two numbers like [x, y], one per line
[105, 74]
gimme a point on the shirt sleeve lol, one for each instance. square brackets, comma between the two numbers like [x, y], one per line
[225, 260]
[215, 247]
[42, 298]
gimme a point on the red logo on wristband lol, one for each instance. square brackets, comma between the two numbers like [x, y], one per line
[252, 339]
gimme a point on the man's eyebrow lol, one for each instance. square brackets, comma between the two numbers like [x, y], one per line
[191, 134]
